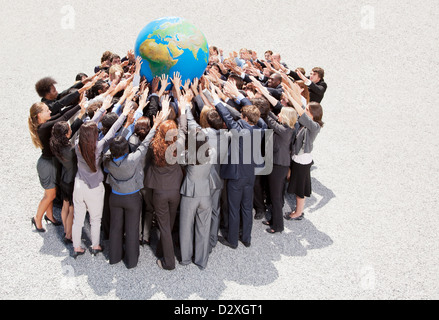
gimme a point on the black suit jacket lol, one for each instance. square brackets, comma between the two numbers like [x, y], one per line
[316, 90]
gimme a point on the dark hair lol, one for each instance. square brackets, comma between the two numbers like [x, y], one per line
[59, 140]
[316, 110]
[88, 135]
[238, 80]
[320, 72]
[118, 147]
[79, 76]
[114, 56]
[107, 121]
[43, 86]
[94, 91]
[214, 119]
[142, 128]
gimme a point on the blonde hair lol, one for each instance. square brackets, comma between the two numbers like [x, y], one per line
[32, 121]
[289, 116]
[115, 68]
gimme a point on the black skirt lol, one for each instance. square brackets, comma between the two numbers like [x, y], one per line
[67, 191]
[300, 180]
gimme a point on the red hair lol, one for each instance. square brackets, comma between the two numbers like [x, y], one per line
[160, 145]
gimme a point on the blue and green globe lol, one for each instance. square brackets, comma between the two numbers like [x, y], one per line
[172, 44]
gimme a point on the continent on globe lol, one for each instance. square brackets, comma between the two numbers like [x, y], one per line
[172, 44]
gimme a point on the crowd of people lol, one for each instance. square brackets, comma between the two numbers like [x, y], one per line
[197, 161]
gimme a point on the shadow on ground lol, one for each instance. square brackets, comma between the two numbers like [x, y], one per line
[246, 266]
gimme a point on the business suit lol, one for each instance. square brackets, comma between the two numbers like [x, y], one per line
[316, 90]
[216, 139]
[166, 182]
[282, 149]
[195, 215]
[240, 173]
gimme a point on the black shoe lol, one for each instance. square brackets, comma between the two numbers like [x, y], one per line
[78, 253]
[266, 223]
[67, 240]
[94, 252]
[246, 244]
[259, 215]
[55, 223]
[288, 217]
[142, 242]
[226, 243]
[272, 231]
[38, 229]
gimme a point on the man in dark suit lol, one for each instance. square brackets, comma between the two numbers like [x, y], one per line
[239, 170]
[315, 82]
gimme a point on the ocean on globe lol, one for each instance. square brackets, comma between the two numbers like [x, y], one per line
[172, 44]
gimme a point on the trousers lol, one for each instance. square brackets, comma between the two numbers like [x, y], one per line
[165, 205]
[125, 218]
[195, 218]
[91, 200]
[240, 203]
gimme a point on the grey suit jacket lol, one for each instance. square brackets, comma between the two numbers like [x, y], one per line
[306, 135]
[283, 136]
[198, 181]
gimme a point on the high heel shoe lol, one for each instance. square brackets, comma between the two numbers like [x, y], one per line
[288, 217]
[271, 231]
[78, 253]
[94, 252]
[55, 223]
[38, 229]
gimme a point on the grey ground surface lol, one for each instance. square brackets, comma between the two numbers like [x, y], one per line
[371, 225]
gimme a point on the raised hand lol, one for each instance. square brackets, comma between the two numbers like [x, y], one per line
[155, 85]
[130, 118]
[165, 104]
[139, 62]
[194, 87]
[230, 87]
[164, 83]
[107, 102]
[301, 76]
[186, 85]
[142, 101]
[130, 55]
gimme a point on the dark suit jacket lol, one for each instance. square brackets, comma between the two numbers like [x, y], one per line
[282, 141]
[64, 99]
[316, 90]
[238, 165]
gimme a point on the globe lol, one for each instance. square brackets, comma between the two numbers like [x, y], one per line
[172, 44]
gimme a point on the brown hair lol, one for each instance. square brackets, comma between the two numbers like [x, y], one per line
[159, 143]
[252, 113]
[316, 110]
[32, 122]
[320, 72]
[88, 135]
[203, 116]
[44, 85]
[106, 56]
[142, 127]
[59, 140]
